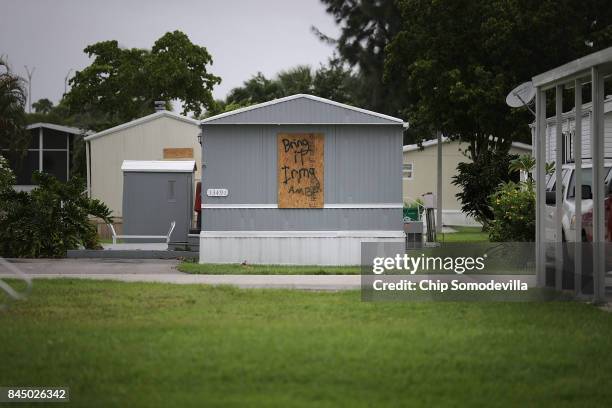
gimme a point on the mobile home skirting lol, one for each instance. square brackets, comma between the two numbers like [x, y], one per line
[289, 247]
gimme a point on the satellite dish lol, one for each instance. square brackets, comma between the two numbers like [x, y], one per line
[521, 96]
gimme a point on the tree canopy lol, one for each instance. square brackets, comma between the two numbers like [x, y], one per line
[456, 60]
[333, 80]
[366, 28]
[122, 84]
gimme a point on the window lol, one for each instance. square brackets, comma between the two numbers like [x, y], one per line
[568, 146]
[408, 170]
[55, 163]
[51, 153]
[587, 180]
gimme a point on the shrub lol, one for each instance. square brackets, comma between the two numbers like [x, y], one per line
[513, 206]
[49, 220]
[479, 179]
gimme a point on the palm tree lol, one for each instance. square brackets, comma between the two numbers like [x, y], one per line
[524, 163]
[13, 99]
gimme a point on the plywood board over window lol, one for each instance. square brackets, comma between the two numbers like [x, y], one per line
[300, 170]
[178, 153]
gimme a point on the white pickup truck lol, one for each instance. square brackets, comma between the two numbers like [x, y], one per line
[568, 217]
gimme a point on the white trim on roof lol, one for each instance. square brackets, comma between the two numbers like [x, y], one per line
[426, 143]
[297, 96]
[158, 166]
[434, 142]
[578, 67]
[142, 120]
[59, 128]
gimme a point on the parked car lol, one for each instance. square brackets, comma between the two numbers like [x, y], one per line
[568, 207]
[568, 223]
[587, 217]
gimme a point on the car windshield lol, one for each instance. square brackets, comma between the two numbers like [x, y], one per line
[552, 180]
[587, 180]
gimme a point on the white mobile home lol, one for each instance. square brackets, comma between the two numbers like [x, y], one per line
[299, 180]
[568, 129]
[420, 169]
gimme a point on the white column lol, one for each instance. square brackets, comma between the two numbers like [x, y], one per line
[540, 149]
[597, 153]
[559, 187]
[578, 187]
[87, 168]
[40, 149]
[439, 187]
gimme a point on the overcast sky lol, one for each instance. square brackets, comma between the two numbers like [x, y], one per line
[242, 36]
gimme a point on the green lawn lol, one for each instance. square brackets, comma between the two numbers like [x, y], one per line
[465, 234]
[156, 345]
[239, 269]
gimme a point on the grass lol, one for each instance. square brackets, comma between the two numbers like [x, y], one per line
[465, 234]
[239, 269]
[150, 345]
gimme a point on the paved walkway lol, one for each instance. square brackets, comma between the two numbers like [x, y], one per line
[165, 271]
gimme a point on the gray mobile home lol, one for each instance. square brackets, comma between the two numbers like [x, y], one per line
[299, 180]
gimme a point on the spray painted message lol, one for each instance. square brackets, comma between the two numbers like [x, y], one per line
[300, 170]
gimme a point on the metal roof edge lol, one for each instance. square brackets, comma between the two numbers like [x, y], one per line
[297, 96]
[157, 166]
[140, 121]
[433, 142]
[60, 128]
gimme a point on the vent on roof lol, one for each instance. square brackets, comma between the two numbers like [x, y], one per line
[160, 106]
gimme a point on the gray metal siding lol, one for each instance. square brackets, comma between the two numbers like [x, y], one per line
[327, 219]
[147, 208]
[363, 164]
[302, 110]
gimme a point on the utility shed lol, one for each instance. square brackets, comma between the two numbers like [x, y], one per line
[299, 180]
[156, 193]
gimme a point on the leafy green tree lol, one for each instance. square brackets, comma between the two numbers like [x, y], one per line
[456, 60]
[122, 84]
[43, 106]
[332, 81]
[257, 89]
[367, 27]
[296, 80]
[12, 113]
[336, 82]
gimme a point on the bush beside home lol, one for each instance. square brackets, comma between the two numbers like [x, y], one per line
[513, 206]
[49, 220]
